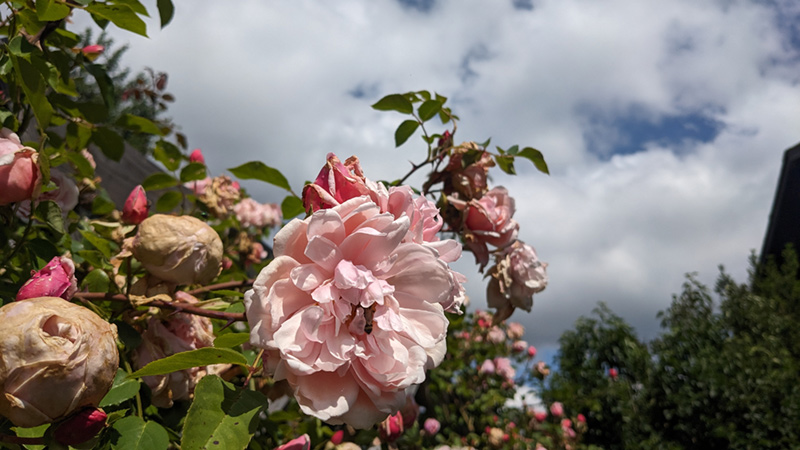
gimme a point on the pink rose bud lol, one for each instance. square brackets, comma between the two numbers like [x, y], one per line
[446, 140]
[81, 427]
[135, 210]
[56, 279]
[93, 51]
[337, 437]
[197, 156]
[335, 184]
[391, 428]
[301, 443]
[431, 426]
[613, 373]
[581, 418]
[540, 415]
[487, 367]
[531, 351]
[20, 178]
[557, 409]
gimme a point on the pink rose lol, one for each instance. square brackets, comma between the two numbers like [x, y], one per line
[20, 178]
[135, 210]
[199, 186]
[613, 373]
[581, 418]
[391, 428]
[496, 335]
[516, 276]
[504, 368]
[519, 346]
[9, 142]
[487, 221]
[346, 303]
[197, 156]
[335, 184]
[179, 332]
[540, 415]
[80, 427]
[301, 443]
[487, 367]
[251, 213]
[338, 437]
[65, 195]
[531, 351]
[56, 279]
[431, 426]
[557, 409]
[566, 428]
[470, 180]
[515, 330]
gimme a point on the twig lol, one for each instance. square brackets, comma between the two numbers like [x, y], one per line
[229, 317]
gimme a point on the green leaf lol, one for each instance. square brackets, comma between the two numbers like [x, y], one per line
[506, 164]
[93, 257]
[193, 172]
[50, 213]
[159, 180]
[394, 102]
[221, 416]
[165, 11]
[168, 154]
[81, 163]
[43, 248]
[429, 109]
[97, 242]
[404, 131]
[102, 203]
[109, 142]
[134, 5]
[34, 432]
[120, 15]
[96, 281]
[34, 87]
[169, 201]
[536, 157]
[136, 434]
[231, 340]
[123, 388]
[292, 206]
[47, 10]
[139, 124]
[105, 83]
[259, 171]
[193, 358]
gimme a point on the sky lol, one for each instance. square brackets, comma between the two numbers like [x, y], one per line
[663, 123]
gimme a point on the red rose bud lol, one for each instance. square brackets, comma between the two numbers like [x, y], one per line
[197, 156]
[446, 140]
[80, 427]
[56, 279]
[391, 428]
[613, 373]
[337, 437]
[135, 210]
[92, 51]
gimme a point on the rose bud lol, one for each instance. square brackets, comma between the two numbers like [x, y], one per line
[431, 426]
[197, 156]
[391, 428]
[557, 409]
[20, 178]
[613, 373]
[180, 249]
[337, 437]
[92, 51]
[135, 210]
[80, 427]
[540, 415]
[56, 279]
[301, 443]
[55, 358]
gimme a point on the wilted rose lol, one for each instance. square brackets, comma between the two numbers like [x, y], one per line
[80, 427]
[135, 210]
[55, 358]
[220, 195]
[495, 437]
[335, 184]
[469, 173]
[180, 249]
[487, 220]
[516, 276]
[56, 279]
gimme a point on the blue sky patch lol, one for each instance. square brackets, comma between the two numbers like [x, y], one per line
[526, 5]
[420, 5]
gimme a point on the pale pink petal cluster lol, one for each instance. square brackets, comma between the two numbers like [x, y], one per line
[516, 276]
[488, 220]
[504, 368]
[515, 330]
[260, 215]
[56, 279]
[350, 314]
[496, 335]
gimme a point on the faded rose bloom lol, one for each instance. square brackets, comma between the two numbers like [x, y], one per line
[487, 220]
[516, 276]
[180, 249]
[65, 195]
[496, 335]
[55, 358]
[504, 368]
[519, 346]
[495, 437]
[220, 195]
[541, 368]
[56, 279]
[487, 367]
[391, 428]
[198, 186]
[80, 427]
[197, 156]
[20, 178]
[335, 184]
[469, 180]
[431, 426]
[135, 209]
[515, 330]
[257, 253]
[178, 332]
[346, 303]
[557, 409]
[300, 443]
[260, 215]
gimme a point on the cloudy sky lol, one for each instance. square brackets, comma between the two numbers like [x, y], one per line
[663, 123]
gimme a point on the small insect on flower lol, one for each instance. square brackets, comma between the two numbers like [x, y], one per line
[369, 313]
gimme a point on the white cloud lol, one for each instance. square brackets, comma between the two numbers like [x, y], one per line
[270, 81]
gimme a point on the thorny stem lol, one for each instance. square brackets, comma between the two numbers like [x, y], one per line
[184, 307]
[251, 370]
[218, 286]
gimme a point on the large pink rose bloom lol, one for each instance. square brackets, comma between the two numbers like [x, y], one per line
[488, 221]
[350, 315]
